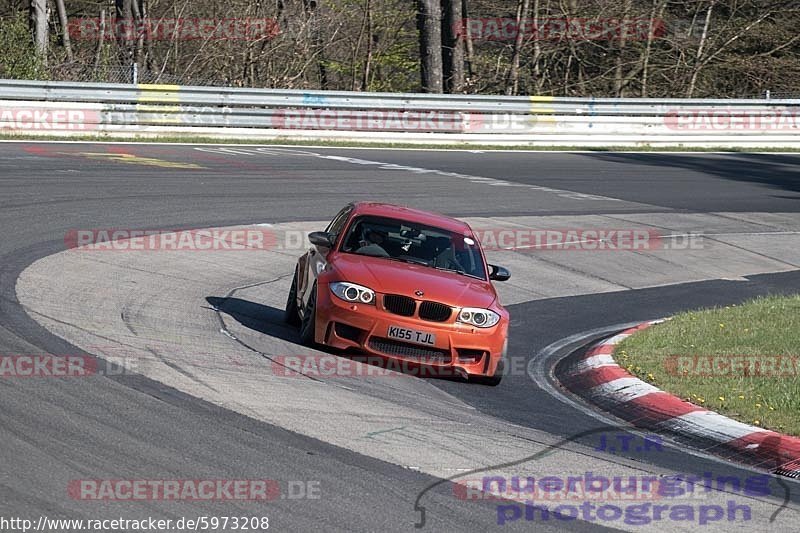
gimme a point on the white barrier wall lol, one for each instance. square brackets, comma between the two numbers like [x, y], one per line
[115, 110]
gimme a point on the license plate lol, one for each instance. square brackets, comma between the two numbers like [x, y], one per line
[412, 335]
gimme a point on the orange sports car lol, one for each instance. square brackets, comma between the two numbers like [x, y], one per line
[403, 284]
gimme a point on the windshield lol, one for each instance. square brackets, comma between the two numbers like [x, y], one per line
[401, 240]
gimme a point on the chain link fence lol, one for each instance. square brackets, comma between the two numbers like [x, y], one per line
[131, 74]
[780, 95]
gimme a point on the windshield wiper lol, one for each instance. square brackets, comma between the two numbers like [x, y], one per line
[415, 261]
[411, 260]
[458, 272]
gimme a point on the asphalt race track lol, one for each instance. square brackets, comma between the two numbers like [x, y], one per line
[205, 400]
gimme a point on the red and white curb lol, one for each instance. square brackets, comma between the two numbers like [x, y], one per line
[599, 379]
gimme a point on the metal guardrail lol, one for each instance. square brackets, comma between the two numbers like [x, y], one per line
[70, 108]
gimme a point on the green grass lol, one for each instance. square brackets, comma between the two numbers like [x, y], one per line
[768, 326]
[291, 141]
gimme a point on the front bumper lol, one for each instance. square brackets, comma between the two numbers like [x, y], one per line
[457, 347]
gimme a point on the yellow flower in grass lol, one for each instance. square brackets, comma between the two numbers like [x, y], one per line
[721, 398]
[721, 325]
[741, 397]
[758, 405]
[757, 422]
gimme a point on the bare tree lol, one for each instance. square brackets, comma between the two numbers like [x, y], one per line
[619, 77]
[452, 46]
[469, 49]
[38, 17]
[736, 48]
[101, 39]
[124, 30]
[429, 24]
[656, 22]
[312, 13]
[536, 72]
[698, 57]
[512, 87]
[62, 18]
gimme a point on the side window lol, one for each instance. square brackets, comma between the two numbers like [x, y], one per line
[337, 224]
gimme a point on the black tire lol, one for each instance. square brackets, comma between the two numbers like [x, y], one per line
[308, 324]
[291, 316]
[492, 381]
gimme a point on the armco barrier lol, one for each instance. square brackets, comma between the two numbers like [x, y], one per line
[114, 110]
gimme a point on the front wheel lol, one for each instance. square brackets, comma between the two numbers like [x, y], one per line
[291, 316]
[308, 324]
[494, 380]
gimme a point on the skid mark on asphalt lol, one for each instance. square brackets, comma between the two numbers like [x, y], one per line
[218, 311]
[372, 434]
[180, 370]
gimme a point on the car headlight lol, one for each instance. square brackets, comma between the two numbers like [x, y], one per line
[482, 318]
[350, 292]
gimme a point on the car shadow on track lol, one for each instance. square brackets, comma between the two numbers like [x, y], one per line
[258, 317]
[269, 321]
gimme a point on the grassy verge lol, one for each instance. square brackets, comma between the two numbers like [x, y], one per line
[191, 139]
[742, 361]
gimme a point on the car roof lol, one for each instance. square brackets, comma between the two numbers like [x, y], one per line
[412, 215]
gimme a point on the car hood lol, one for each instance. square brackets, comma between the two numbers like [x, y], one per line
[394, 277]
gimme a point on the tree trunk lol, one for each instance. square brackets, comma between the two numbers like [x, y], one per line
[317, 46]
[124, 31]
[512, 87]
[698, 57]
[101, 41]
[38, 14]
[619, 75]
[429, 24]
[62, 18]
[453, 46]
[470, 51]
[538, 82]
[370, 42]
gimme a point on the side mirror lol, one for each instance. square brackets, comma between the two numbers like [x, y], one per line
[498, 273]
[321, 238]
